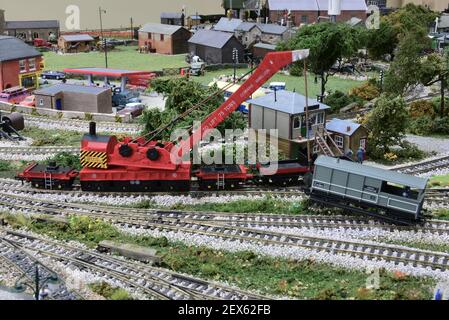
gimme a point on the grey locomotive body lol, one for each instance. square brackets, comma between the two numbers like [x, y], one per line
[376, 191]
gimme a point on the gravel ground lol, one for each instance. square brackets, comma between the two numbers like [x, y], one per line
[25, 143]
[296, 253]
[430, 144]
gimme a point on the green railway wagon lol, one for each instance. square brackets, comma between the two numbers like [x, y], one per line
[364, 189]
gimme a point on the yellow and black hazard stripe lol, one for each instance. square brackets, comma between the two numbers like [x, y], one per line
[93, 159]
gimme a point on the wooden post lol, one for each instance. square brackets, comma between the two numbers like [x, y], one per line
[309, 158]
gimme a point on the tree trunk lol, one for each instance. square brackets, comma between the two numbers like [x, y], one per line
[323, 86]
[442, 107]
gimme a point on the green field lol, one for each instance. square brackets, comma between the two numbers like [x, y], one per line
[293, 83]
[120, 58]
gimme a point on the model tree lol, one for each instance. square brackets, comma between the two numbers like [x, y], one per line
[328, 43]
[387, 123]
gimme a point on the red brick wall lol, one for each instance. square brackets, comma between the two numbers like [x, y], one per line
[347, 15]
[161, 46]
[9, 72]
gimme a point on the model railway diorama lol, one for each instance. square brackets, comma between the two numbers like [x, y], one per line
[141, 165]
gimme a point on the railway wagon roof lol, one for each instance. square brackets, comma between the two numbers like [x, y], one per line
[372, 172]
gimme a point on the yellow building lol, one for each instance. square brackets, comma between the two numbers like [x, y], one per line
[435, 5]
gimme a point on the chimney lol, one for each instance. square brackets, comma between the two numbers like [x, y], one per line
[275, 95]
[348, 129]
[92, 129]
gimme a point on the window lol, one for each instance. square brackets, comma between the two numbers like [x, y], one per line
[399, 190]
[339, 141]
[32, 64]
[35, 35]
[296, 122]
[149, 36]
[320, 118]
[363, 143]
[304, 19]
[22, 66]
[162, 37]
[41, 102]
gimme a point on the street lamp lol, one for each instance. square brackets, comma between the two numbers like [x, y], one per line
[39, 283]
[101, 11]
[235, 58]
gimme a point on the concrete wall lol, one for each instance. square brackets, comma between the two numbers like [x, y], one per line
[52, 113]
[74, 101]
[250, 37]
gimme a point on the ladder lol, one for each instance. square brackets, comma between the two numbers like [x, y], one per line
[321, 141]
[48, 181]
[221, 182]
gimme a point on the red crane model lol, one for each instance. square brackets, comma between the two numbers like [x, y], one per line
[141, 165]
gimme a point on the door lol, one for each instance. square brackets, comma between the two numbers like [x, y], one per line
[59, 104]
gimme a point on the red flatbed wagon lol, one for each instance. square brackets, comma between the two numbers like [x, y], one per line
[48, 177]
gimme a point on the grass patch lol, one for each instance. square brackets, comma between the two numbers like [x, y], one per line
[442, 214]
[9, 169]
[121, 58]
[293, 83]
[439, 181]
[266, 205]
[273, 276]
[104, 289]
[51, 137]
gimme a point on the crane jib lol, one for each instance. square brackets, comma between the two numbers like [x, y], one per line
[272, 63]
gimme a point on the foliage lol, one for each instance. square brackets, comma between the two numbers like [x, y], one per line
[367, 91]
[421, 108]
[104, 289]
[88, 116]
[5, 165]
[381, 41]
[183, 94]
[66, 159]
[52, 137]
[426, 125]
[387, 124]
[338, 99]
[328, 42]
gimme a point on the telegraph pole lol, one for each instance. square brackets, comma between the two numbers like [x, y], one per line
[100, 11]
[132, 29]
[309, 157]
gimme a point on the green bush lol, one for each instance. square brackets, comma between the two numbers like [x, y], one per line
[421, 108]
[104, 289]
[337, 100]
[421, 125]
[67, 160]
[5, 165]
[441, 125]
[367, 91]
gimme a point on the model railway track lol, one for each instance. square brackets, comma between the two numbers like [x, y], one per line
[155, 282]
[425, 166]
[37, 150]
[21, 263]
[25, 204]
[79, 125]
[248, 190]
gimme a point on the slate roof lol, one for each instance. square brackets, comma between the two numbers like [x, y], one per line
[171, 15]
[52, 90]
[272, 28]
[77, 37]
[297, 5]
[160, 28]
[346, 5]
[341, 126]
[37, 24]
[245, 26]
[315, 5]
[287, 102]
[376, 173]
[265, 46]
[12, 48]
[227, 25]
[211, 38]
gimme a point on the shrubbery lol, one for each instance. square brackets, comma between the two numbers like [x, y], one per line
[367, 91]
[337, 100]
[66, 159]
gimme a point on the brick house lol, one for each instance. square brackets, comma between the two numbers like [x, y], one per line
[307, 11]
[164, 39]
[29, 30]
[20, 64]
[249, 33]
[172, 18]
